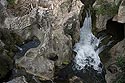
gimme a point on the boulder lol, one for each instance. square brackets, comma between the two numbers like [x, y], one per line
[37, 65]
[120, 17]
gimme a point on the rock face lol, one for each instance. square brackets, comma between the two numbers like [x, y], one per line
[21, 79]
[120, 17]
[37, 66]
[114, 10]
[118, 49]
[106, 10]
[54, 22]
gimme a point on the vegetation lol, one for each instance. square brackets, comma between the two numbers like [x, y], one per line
[11, 1]
[106, 8]
[120, 79]
[120, 61]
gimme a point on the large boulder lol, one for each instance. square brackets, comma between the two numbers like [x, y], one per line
[107, 9]
[120, 17]
[37, 65]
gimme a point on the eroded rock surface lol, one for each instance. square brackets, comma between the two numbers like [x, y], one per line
[120, 17]
[54, 22]
[21, 79]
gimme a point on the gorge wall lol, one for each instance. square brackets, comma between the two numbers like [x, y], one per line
[56, 23]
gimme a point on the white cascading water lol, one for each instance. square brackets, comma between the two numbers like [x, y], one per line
[87, 48]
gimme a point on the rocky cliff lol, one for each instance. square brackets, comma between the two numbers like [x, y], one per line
[56, 24]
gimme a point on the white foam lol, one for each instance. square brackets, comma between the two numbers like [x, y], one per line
[85, 48]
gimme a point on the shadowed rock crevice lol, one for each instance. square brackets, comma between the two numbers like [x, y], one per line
[115, 29]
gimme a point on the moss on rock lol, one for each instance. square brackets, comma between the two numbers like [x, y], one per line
[11, 1]
[106, 8]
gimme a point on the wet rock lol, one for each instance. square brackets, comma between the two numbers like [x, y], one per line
[21, 79]
[88, 2]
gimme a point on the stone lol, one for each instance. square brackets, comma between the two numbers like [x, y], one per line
[37, 66]
[120, 17]
[108, 9]
[101, 21]
[2, 44]
[4, 3]
[75, 79]
[14, 23]
[21, 79]
[55, 23]
[3, 14]
[113, 69]
[118, 49]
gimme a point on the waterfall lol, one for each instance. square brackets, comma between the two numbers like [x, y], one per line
[87, 48]
[86, 64]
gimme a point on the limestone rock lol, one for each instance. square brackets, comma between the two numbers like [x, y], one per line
[105, 10]
[120, 17]
[118, 49]
[101, 21]
[55, 23]
[20, 22]
[21, 79]
[37, 66]
[4, 2]
[66, 27]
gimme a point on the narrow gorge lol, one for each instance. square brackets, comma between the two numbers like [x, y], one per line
[62, 41]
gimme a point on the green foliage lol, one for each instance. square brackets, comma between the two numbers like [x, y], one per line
[11, 1]
[107, 8]
[120, 61]
[120, 79]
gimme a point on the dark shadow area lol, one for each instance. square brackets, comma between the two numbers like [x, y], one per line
[7, 77]
[113, 29]
[114, 32]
